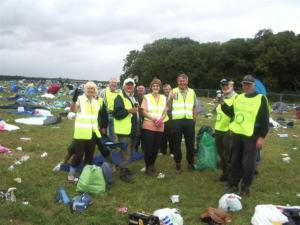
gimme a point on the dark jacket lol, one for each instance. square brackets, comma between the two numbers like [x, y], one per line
[261, 127]
[120, 112]
[103, 117]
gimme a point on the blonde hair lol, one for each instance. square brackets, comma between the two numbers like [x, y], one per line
[91, 84]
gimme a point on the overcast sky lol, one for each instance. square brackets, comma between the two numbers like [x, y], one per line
[89, 39]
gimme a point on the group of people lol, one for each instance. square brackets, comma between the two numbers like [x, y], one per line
[152, 120]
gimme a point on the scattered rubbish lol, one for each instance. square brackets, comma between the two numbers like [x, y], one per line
[298, 195]
[123, 210]
[283, 135]
[268, 214]
[143, 169]
[4, 149]
[294, 135]
[9, 195]
[277, 193]
[169, 216]
[24, 158]
[230, 202]
[11, 168]
[25, 139]
[285, 155]
[161, 176]
[57, 167]
[17, 162]
[19, 148]
[25, 203]
[174, 198]
[286, 159]
[215, 216]
[62, 196]
[71, 115]
[81, 202]
[142, 218]
[295, 148]
[45, 154]
[18, 180]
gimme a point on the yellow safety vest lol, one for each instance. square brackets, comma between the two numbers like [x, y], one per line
[110, 98]
[183, 108]
[123, 126]
[156, 108]
[86, 119]
[100, 101]
[222, 120]
[245, 112]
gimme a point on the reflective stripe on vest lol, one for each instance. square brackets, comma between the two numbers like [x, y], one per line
[222, 120]
[86, 119]
[245, 112]
[123, 126]
[110, 98]
[156, 108]
[183, 108]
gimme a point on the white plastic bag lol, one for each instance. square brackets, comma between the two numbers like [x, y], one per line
[169, 216]
[230, 202]
[268, 215]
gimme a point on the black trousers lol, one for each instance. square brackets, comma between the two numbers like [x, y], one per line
[185, 127]
[86, 148]
[167, 137]
[152, 140]
[242, 160]
[223, 143]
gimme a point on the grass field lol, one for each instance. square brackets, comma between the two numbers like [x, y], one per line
[277, 182]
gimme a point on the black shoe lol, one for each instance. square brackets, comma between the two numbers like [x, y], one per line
[178, 168]
[126, 179]
[223, 178]
[245, 191]
[191, 167]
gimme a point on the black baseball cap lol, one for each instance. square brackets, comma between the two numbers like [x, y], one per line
[249, 79]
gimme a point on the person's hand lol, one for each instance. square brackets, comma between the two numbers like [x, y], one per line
[75, 95]
[103, 131]
[159, 122]
[133, 110]
[259, 143]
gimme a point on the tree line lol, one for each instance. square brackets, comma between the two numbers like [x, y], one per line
[272, 58]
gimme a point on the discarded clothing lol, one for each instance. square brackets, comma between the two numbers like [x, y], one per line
[8, 127]
[48, 120]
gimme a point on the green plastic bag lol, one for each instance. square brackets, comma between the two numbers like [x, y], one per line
[91, 180]
[207, 154]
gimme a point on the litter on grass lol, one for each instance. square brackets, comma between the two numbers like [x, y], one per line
[161, 176]
[174, 198]
[44, 155]
[283, 135]
[25, 139]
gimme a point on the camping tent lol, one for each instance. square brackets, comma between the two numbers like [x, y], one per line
[53, 88]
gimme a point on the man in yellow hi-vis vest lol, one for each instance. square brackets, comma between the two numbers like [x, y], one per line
[222, 133]
[249, 129]
[108, 95]
[183, 105]
[126, 126]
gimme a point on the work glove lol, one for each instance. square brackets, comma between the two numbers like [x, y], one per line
[76, 94]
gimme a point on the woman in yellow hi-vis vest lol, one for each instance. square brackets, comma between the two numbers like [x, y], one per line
[86, 129]
[155, 114]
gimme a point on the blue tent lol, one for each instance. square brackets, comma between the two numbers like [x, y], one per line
[260, 87]
[1, 89]
[31, 90]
